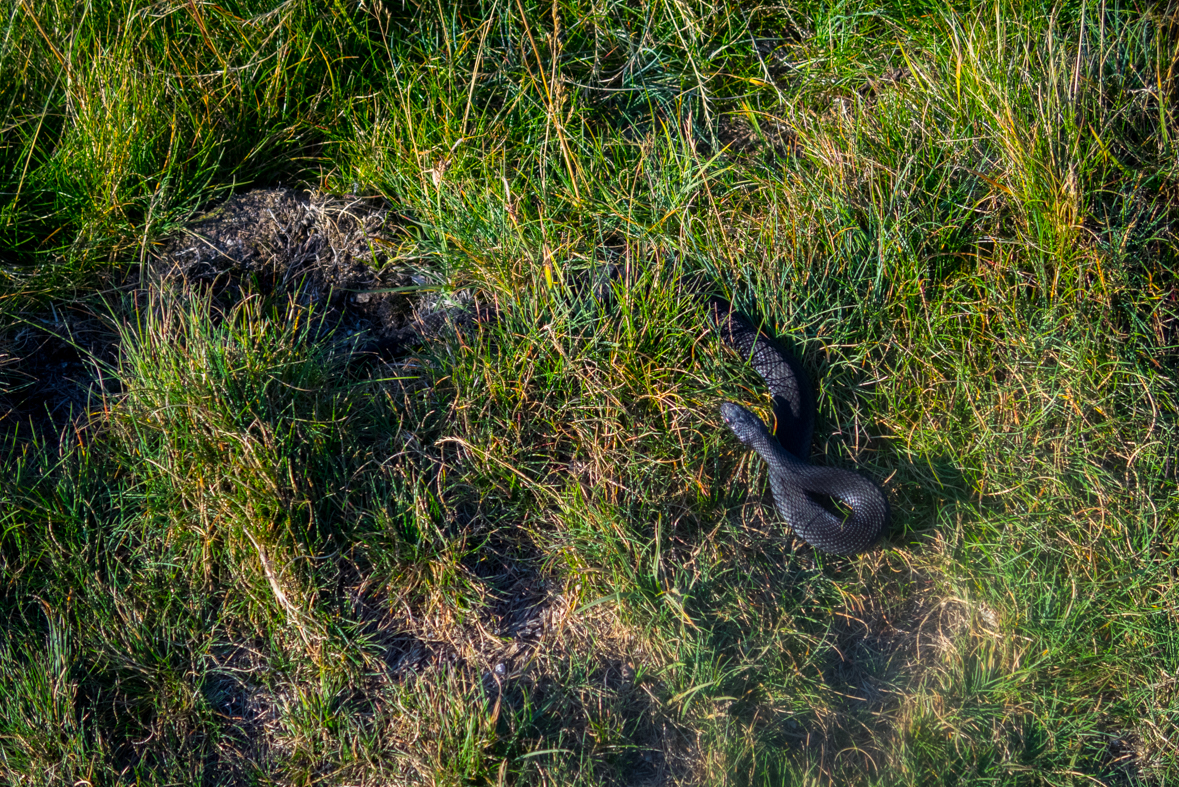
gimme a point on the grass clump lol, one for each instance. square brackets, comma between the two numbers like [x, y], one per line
[440, 495]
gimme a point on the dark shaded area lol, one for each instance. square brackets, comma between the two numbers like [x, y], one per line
[511, 568]
[769, 141]
[53, 365]
[241, 709]
[538, 714]
[389, 638]
[879, 652]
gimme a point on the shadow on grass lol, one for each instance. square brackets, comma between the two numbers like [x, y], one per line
[53, 372]
[606, 710]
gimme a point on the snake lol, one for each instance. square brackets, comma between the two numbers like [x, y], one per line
[808, 497]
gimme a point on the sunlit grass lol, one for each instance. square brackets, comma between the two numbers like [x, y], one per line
[242, 548]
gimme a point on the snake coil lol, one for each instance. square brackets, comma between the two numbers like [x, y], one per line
[802, 492]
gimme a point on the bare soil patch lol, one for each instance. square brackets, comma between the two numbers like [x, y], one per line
[331, 253]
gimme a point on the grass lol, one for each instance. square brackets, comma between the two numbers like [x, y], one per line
[239, 546]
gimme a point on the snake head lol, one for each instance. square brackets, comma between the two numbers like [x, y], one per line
[747, 426]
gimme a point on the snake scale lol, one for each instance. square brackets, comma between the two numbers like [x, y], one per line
[803, 493]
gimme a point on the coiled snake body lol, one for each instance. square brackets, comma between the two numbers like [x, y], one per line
[802, 492]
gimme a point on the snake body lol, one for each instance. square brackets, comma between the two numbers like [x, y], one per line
[803, 493]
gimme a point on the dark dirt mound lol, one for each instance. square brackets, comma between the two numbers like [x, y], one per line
[333, 254]
[329, 252]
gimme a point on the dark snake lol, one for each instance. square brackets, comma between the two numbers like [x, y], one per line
[803, 493]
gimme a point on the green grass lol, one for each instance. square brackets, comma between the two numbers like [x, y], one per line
[235, 549]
